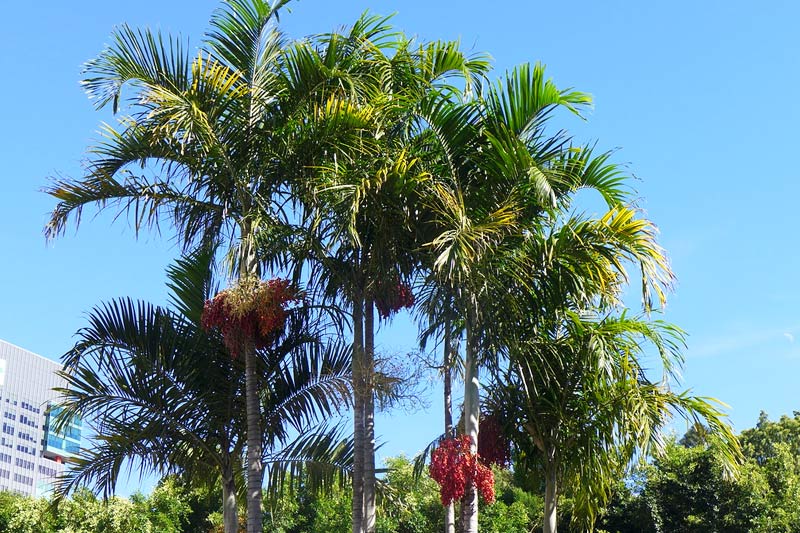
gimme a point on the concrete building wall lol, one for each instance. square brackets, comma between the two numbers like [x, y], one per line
[26, 395]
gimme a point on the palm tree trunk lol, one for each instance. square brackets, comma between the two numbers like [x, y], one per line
[254, 466]
[255, 472]
[472, 411]
[450, 513]
[551, 495]
[358, 414]
[230, 515]
[369, 415]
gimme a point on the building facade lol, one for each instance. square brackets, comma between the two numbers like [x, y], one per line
[32, 453]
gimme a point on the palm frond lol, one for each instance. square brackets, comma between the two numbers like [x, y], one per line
[314, 385]
[322, 458]
[190, 282]
[141, 57]
[525, 98]
[241, 34]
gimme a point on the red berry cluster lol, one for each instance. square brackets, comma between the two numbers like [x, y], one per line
[493, 447]
[394, 298]
[454, 467]
[250, 311]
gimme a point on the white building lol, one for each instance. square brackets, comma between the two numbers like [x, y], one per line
[31, 453]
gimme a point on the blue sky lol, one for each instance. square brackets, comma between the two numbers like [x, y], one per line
[698, 97]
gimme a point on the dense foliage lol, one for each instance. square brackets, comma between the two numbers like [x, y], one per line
[166, 510]
[407, 504]
[381, 173]
[687, 490]
[684, 490]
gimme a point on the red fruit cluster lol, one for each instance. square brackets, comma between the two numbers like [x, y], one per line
[394, 298]
[454, 467]
[493, 447]
[254, 312]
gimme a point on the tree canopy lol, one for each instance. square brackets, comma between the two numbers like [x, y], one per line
[375, 172]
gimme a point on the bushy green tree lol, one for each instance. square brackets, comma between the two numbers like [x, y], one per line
[7, 502]
[165, 510]
[30, 515]
[514, 511]
[686, 489]
[331, 513]
[408, 505]
[688, 492]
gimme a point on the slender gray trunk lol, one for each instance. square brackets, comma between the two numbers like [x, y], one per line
[551, 494]
[472, 411]
[450, 518]
[450, 513]
[358, 414]
[369, 415]
[255, 468]
[230, 514]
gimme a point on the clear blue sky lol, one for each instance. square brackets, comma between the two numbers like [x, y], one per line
[699, 97]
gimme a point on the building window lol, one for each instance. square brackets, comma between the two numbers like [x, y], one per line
[31, 408]
[23, 479]
[47, 471]
[25, 449]
[22, 463]
[27, 421]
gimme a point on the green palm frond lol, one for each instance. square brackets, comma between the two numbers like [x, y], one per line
[162, 392]
[140, 57]
[589, 258]
[524, 100]
[242, 35]
[200, 118]
[454, 130]
[140, 198]
[322, 458]
[443, 62]
[373, 31]
[581, 168]
[148, 384]
[190, 283]
[464, 241]
[312, 386]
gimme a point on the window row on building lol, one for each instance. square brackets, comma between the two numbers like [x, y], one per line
[25, 480]
[30, 450]
[31, 408]
[24, 463]
[47, 471]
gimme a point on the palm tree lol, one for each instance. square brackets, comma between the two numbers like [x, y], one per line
[220, 140]
[162, 391]
[370, 207]
[581, 395]
[497, 176]
[593, 409]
